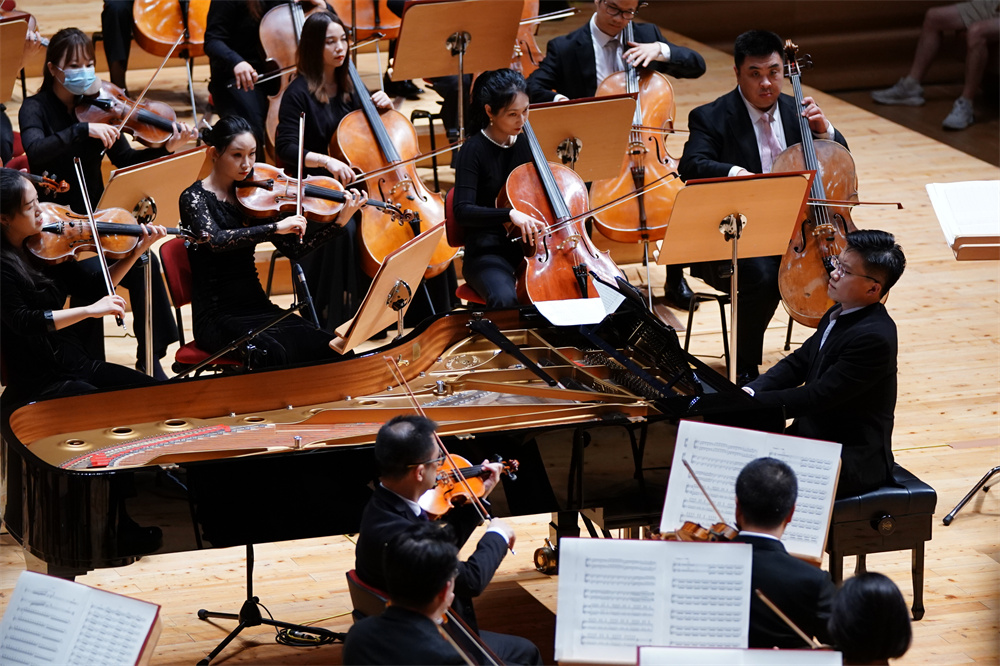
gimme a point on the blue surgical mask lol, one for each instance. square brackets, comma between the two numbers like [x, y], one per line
[78, 80]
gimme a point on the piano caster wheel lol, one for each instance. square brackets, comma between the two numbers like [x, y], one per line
[546, 559]
[202, 615]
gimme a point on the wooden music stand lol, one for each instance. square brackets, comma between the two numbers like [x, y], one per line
[391, 291]
[584, 134]
[481, 33]
[151, 190]
[705, 218]
[12, 33]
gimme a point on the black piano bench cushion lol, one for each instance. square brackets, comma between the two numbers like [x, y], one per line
[910, 495]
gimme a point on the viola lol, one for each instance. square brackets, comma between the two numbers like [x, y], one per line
[151, 123]
[558, 266]
[65, 233]
[387, 143]
[450, 491]
[806, 266]
[158, 24]
[644, 218]
[267, 192]
[368, 17]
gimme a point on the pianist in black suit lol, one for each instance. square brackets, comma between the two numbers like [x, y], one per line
[409, 458]
[766, 490]
[840, 385]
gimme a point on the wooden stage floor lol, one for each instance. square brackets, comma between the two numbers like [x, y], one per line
[947, 427]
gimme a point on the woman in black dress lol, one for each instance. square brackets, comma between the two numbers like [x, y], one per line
[227, 298]
[42, 352]
[498, 112]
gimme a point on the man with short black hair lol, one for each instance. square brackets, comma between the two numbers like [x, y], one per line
[840, 385]
[766, 490]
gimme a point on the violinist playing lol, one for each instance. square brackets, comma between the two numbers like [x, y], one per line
[739, 134]
[227, 298]
[40, 341]
[498, 111]
[766, 491]
[52, 136]
[323, 91]
[409, 457]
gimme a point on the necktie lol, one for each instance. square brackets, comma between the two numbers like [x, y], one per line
[771, 147]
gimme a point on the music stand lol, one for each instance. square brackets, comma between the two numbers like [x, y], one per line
[707, 225]
[391, 290]
[482, 33]
[12, 33]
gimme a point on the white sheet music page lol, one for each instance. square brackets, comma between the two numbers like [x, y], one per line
[55, 621]
[968, 208]
[618, 594]
[718, 453]
[669, 656]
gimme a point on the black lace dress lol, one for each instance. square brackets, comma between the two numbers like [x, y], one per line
[227, 299]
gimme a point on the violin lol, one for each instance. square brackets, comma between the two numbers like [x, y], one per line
[152, 123]
[65, 233]
[450, 491]
[644, 218]
[372, 141]
[158, 24]
[368, 17]
[807, 263]
[267, 192]
[558, 266]
[691, 531]
[47, 182]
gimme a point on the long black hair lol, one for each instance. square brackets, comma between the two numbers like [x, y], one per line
[13, 186]
[496, 88]
[310, 60]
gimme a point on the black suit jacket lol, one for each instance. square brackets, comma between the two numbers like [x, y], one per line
[803, 592]
[387, 514]
[722, 137]
[398, 636]
[844, 392]
[569, 67]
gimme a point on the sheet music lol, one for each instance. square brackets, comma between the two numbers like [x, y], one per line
[573, 311]
[970, 208]
[670, 656]
[618, 594]
[55, 621]
[718, 454]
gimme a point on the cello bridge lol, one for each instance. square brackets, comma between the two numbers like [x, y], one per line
[574, 239]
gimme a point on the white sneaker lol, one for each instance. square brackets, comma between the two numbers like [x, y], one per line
[906, 92]
[960, 116]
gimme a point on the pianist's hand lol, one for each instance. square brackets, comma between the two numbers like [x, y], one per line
[490, 483]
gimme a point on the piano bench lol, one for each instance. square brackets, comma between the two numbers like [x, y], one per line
[896, 517]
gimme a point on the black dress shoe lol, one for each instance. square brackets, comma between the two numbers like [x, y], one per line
[679, 295]
[406, 89]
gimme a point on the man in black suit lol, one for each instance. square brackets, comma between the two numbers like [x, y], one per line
[409, 458]
[741, 134]
[575, 64]
[840, 385]
[766, 490]
[421, 564]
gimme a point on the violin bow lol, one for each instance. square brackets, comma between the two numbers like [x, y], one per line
[703, 491]
[142, 95]
[811, 642]
[298, 182]
[397, 374]
[105, 271]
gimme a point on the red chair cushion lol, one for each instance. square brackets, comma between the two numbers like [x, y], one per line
[176, 270]
[454, 231]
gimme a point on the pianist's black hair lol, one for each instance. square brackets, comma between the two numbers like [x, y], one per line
[869, 621]
[882, 257]
[757, 44]
[418, 563]
[403, 442]
[496, 88]
[766, 490]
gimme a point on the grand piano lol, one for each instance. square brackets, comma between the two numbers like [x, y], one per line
[590, 412]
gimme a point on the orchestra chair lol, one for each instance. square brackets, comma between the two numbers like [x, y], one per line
[456, 239]
[177, 271]
[367, 600]
[18, 159]
[891, 518]
[722, 299]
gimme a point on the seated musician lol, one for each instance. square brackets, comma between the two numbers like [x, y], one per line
[840, 385]
[227, 298]
[730, 138]
[869, 622]
[498, 112]
[41, 348]
[766, 490]
[408, 457]
[577, 63]
[421, 564]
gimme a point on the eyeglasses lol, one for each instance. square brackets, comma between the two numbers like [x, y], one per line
[436, 462]
[838, 267]
[615, 11]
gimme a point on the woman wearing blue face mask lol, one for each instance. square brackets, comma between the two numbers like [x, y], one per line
[52, 137]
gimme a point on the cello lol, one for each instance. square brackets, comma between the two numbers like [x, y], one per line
[807, 263]
[558, 266]
[369, 140]
[158, 24]
[367, 17]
